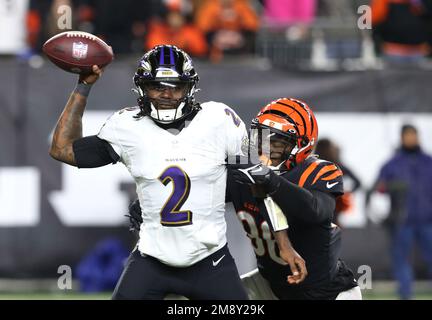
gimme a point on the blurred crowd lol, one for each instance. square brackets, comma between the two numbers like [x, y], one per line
[210, 28]
[402, 29]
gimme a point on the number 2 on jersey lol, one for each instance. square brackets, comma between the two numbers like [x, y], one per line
[171, 216]
[236, 120]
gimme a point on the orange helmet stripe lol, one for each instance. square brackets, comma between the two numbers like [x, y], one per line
[295, 111]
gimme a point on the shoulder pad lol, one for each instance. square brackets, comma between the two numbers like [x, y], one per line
[321, 175]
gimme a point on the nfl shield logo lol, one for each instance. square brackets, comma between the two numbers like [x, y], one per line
[79, 50]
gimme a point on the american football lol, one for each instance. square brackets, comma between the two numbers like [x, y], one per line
[77, 52]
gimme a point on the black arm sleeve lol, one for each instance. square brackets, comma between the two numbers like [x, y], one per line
[228, 194]
[93, 152]
[309, 206]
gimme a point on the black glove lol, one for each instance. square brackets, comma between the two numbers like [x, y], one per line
[135, 218]
[255, 174]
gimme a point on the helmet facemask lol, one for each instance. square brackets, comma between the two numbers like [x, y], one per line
[166, 84]
[272, 147]
[167, 107]
[293, 120]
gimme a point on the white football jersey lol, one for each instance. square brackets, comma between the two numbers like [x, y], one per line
[180, 179]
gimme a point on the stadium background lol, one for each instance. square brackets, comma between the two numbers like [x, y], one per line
[53, 215]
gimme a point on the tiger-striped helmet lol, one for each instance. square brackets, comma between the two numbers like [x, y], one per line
[293, 120]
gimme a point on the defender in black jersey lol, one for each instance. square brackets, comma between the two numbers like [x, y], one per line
[301, 188]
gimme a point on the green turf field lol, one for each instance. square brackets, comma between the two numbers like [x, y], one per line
[47, 290]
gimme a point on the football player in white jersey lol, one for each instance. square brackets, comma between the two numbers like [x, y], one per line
[175, 149]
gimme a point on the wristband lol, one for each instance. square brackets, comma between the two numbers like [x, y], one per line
[83, 88]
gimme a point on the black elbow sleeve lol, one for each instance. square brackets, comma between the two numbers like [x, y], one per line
[93, 152]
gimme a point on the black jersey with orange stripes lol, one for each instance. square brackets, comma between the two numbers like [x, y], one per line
[319, 244]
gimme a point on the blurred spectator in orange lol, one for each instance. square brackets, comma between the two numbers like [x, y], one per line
[327, 150]
[229, 25]
[400, 27]
[176, 31]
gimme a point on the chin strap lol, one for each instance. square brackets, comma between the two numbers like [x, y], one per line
[167, 115]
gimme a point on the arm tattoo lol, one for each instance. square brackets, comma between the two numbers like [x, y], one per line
[68, 129]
